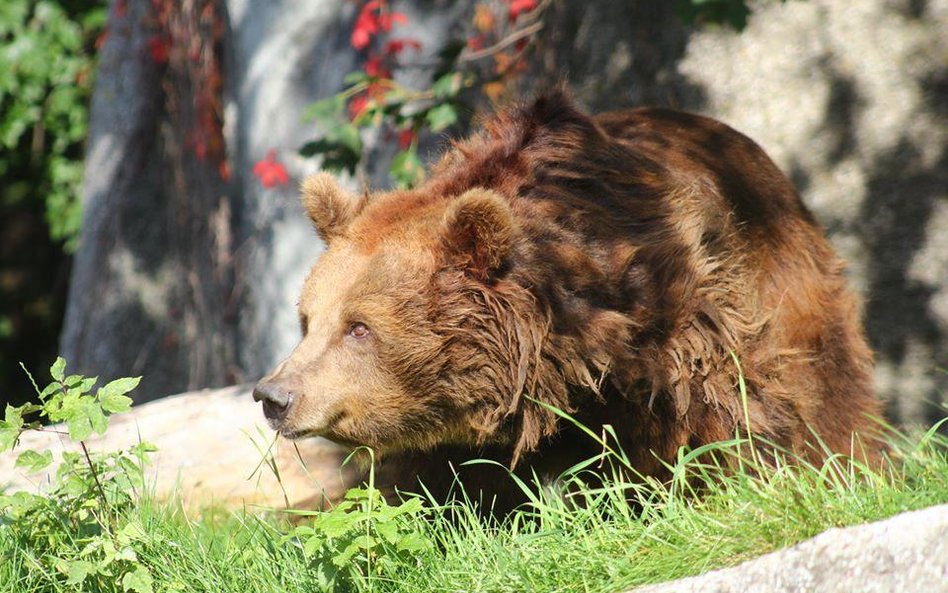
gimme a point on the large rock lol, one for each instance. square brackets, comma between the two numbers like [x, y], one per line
[212, 447]
[906, 553]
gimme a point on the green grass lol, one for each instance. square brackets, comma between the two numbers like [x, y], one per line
[603, 544]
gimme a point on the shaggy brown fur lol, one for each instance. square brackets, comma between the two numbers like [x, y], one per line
[607, 266]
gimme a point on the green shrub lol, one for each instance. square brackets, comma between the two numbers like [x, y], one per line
[80, 532]
[47, 69]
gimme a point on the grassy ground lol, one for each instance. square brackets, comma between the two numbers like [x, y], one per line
[366, 545]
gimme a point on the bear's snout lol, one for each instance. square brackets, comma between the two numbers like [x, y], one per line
[276, 401]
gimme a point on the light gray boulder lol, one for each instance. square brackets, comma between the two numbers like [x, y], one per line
[907, 553]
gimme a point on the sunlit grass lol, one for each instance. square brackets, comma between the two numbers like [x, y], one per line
[572, 537]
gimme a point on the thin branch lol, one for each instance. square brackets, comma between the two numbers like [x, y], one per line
[95, 476]
[507, 41]
[536, 13]
[531, 26]
[50, 430]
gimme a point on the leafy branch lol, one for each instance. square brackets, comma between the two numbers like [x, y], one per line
[461, 76]
[373, 98]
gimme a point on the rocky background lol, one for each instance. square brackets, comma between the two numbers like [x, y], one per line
[192, 281]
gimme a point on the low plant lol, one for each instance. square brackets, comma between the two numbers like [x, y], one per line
[362, 538]
[78, 533]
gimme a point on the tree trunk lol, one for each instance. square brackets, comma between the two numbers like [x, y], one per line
[152, 286]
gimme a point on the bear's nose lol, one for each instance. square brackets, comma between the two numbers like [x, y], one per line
[276, 400]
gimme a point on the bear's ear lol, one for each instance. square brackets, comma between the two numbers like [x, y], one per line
[330, 207]
[478, 232]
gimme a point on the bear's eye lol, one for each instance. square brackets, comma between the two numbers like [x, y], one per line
[358, 331]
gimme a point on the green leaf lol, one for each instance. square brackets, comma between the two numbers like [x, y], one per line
[315, 147]
[139, 580]
[127, 554]
[354, 78]
[49, 390]
[98, 420]
[87, 384]
[79, 424]
[412, 506]
[329, 109]
[21, 503]
[27, 409]
[341, 151]
[13, 416]
[441, 116]
[357, 494]
[348, 135]
[132, 532]
[10, 427]
[389, 531]
[142, 449]
[363, 542]
[312, 545]
[77, 571]
[119, 387]
[326, 576]
[407, 169]
[56, 371]
[116, 403]
[448, 86]
[335, 524]
[413, 542]
[395, 97]
[132, 470]
[72, 381]
[31, 461]
[92, 547]
[95, 19]
[108, 554]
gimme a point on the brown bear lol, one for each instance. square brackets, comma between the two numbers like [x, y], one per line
[620, 268]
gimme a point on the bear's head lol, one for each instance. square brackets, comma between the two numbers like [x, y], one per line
[460, 313]
[404, 345]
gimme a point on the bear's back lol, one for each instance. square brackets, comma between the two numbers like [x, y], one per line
[742, 222]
